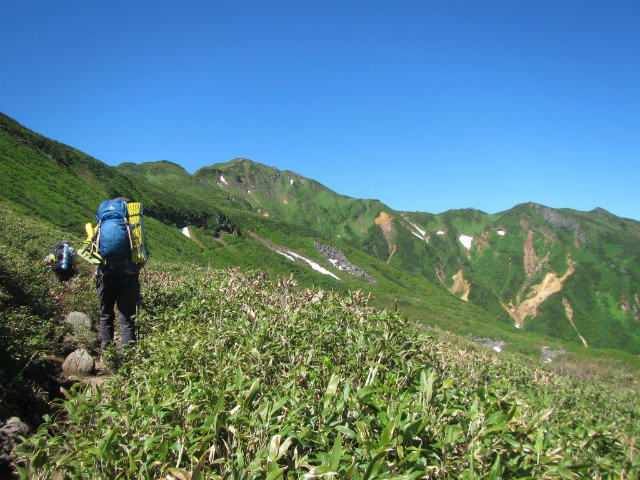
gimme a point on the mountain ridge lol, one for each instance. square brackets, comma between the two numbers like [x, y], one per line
[544, 276]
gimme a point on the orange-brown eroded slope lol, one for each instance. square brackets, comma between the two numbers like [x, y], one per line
[460, 285]
[385, 222]
[550, 284]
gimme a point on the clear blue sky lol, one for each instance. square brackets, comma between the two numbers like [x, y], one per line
[425, 105]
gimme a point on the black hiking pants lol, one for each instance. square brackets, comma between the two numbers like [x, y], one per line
[123, 291]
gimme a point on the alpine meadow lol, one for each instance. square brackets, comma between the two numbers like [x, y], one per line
[289, 331]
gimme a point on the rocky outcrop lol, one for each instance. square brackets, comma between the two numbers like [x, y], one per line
[496, 344]
[530, 256]
[339, 260]
[385, 222]
[548, 355]
[557, 220]
[78, 362]
[532, 263]
[460, 286]
[528, 307]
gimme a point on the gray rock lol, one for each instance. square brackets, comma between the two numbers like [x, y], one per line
[14, 427]
[549, 355]
[496, 344]
[9, 433]
[339, 260]
[78, 361]
[78, 321]
[557, 220]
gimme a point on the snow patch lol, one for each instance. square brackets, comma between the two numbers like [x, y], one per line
[314, 265]
[466, 241]
[286, 255]
[223, 180]
[249, 191]
[497, 348]
[439, 232]
[422, 232]
[185, 232]
[501, 232]
[291, 181]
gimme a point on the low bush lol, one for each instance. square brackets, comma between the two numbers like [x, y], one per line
[244, 376]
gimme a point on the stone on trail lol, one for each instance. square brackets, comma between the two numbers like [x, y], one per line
[78, 361]
[78, 321]
[14, 427]
[9, 433]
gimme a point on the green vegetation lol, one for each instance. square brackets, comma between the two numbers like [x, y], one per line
[31, 304]
[60, 186]
[245, 376]
[603, 247]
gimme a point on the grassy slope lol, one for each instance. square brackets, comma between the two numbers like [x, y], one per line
[243, 376]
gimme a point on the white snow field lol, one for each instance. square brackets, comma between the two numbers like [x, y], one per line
[466, 241]
[314, 265]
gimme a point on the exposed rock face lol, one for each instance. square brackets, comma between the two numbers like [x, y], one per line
[532, 263]
[78, 362]
[557, 220]
[530, 256]
[528, 307]
[385, 222]
[78, 321]
[460, 285]
[339, 260]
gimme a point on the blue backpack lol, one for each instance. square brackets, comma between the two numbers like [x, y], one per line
[113, 239]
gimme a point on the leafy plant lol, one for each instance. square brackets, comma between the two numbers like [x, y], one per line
[246, 376]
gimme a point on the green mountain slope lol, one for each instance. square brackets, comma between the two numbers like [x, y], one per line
[563, 273]
[62, 186]
[554, 273]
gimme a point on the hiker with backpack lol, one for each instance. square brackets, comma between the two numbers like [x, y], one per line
[117, 248]
[62, 261]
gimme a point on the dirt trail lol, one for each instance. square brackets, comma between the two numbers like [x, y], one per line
[385, 222]
[569, 312]
[539, 293]
[460, 285]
